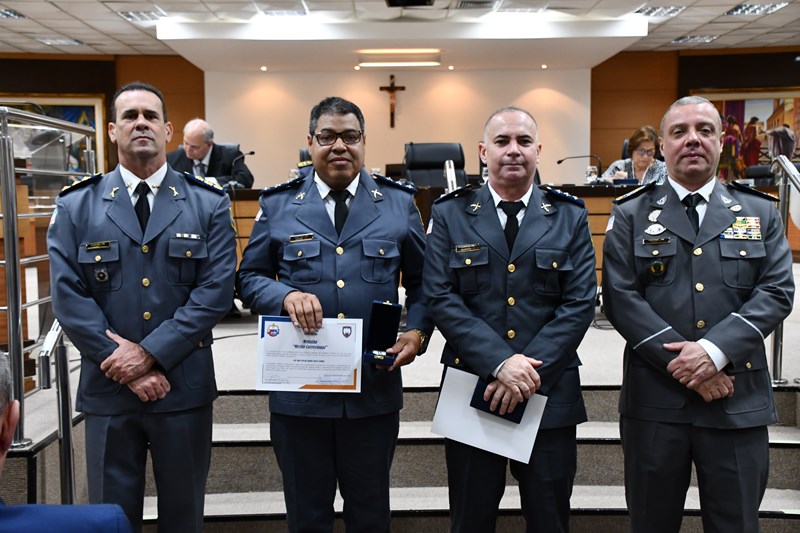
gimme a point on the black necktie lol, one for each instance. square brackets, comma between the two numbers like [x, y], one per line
[142, 205]
[511, 209]
[691, 201]
[340, 211]
[200, 169]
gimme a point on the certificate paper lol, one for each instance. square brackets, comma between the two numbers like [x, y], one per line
[290, 360]
[455, 419]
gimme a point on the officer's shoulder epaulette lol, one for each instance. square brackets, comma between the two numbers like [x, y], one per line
[634, 193]
[456, 193]
[408, 187]
[755, 192]
[292, 183]
[204, 183]
[561, 195]
[302, 164]
[83, 182]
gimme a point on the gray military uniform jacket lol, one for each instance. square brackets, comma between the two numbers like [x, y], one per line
[731, 284]
[165, 289]
[537, 299]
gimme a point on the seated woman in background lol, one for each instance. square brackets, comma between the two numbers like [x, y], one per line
[642, 165]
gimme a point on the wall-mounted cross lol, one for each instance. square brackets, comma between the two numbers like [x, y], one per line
[392, 90]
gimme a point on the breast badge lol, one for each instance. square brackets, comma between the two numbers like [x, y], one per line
[653, 216]
[655, 229]
[657, 268]
[101, 274]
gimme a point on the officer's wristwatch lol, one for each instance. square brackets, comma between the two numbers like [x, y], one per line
[423, 338]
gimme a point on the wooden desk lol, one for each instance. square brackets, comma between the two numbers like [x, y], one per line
[598, 201]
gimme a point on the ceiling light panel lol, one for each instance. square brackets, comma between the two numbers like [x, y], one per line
[661, 12]
[695, 39]
[755, 9]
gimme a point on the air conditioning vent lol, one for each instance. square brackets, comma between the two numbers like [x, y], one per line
[476, 4]
[409, 3]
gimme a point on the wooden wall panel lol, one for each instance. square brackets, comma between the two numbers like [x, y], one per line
[630, 90]
[182, 84]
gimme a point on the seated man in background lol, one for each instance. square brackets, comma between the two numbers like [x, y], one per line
[202, 157]
[105, 518]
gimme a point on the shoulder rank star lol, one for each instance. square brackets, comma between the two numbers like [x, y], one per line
[174, 190]
[376, 193]
[545, 206]
[475, 206]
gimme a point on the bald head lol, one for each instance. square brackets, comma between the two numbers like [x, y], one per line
[197, 138]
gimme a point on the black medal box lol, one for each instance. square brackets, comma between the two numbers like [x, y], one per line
[383, 325]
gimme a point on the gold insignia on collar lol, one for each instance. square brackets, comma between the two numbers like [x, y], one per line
[300, 196]
[376, 193]
[174, 190]
[545, 206]
[475, 206]
[114, 192]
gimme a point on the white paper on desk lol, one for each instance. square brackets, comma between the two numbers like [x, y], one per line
[290, 360]
[457, 420]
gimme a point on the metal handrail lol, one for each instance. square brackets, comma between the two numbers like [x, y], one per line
[12, 261]
[54, 344]
[42, 120]
[782, 167]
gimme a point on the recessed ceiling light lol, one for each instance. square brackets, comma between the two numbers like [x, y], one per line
[755, 9]
[661, 12]
[357, 67]
[141, 16]
[694, 39]
[400, 57]
[544, 67]
[59, 41]
[451, 67]
[395, 51]
[11, 14]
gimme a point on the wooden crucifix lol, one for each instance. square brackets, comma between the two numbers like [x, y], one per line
[392, 90]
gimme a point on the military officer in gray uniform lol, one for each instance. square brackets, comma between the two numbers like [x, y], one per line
[513, 310]
[328, 244]
[138, 292]
[695, 284]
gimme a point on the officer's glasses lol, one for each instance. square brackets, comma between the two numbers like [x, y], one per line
[327, 138]
[649, 153]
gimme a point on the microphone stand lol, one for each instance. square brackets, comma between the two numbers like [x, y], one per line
[599, 163]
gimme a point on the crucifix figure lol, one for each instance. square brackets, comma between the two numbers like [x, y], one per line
[392, 89]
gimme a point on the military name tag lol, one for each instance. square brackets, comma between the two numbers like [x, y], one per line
[654, 242]
[102, 245]
[461, 248]
[300, 237]
[193, 236]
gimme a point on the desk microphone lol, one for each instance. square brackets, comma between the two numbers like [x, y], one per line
[241, 156]
[599, 163]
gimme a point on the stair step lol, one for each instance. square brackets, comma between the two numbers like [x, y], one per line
[602, 499]
[588, 432]
[242, 459]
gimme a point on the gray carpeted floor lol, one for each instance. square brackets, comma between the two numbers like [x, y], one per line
[600, 351]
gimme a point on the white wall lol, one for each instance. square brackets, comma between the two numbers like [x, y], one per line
[269, 112]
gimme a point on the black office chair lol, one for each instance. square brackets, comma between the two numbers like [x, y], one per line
[424, 164]
[760, 174]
